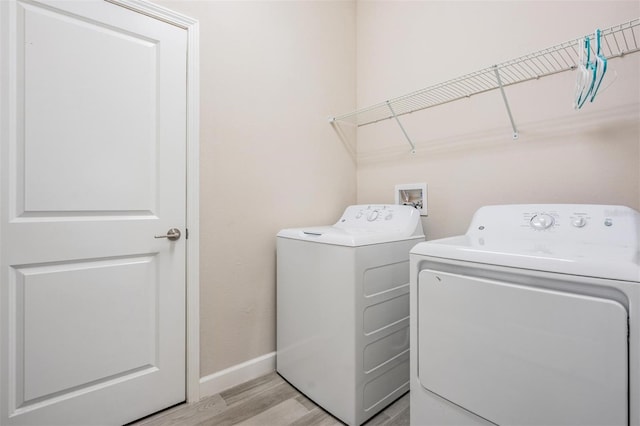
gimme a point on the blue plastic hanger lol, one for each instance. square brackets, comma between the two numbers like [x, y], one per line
[600, 64]
[587, 78]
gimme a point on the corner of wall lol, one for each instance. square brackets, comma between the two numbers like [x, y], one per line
[237, 374]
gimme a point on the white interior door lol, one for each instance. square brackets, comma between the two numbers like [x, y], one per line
[92, 168]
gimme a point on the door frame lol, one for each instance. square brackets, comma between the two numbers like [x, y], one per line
[193, 183]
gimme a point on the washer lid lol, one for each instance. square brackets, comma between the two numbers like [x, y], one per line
[577, 239]
[364, 225]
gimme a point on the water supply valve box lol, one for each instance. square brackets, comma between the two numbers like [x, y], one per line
[412, 194]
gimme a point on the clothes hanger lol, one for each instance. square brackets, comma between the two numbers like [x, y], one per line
[600, 64]
[582, 77]
[586, 77]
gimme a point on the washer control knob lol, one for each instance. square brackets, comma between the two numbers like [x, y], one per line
[359, 215]
[373, 215]
[542, 221]
[579, 222]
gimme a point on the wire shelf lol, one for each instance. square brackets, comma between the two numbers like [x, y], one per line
[617, 41]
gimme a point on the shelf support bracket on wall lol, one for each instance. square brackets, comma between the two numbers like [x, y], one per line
[350, 147]
[413, 147]
[506, 102]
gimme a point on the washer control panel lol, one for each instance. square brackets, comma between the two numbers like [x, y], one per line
[370, 213]
[379, 217]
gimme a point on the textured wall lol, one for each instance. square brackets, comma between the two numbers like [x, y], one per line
[464, 149]
[271, 74]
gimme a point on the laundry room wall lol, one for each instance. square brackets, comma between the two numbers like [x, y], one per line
[465, 152]
[271, 73]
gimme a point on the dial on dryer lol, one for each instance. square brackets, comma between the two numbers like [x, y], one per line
[542, 221]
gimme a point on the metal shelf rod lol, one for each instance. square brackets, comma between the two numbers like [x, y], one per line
[413, 147]
[506, 103]
[617, 41]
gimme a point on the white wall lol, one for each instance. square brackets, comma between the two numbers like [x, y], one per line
[464, 149]
[271, 74]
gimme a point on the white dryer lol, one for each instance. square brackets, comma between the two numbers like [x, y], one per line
[530, 318]
[343, 309]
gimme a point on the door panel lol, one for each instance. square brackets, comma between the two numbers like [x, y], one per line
[84, 301]
[96, 117]
[522, 355]
[92, 167]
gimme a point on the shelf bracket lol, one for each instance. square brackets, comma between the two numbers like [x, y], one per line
[413, 147]
[351, 149]
[506, 103]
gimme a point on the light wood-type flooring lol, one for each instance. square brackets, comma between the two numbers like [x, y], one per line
[266, 401]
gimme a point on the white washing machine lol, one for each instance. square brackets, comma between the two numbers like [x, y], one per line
[343, 309]
[530, 318]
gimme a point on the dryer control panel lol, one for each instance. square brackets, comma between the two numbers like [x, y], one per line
[601, 224]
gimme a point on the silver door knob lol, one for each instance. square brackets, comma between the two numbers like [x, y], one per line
[173, 234]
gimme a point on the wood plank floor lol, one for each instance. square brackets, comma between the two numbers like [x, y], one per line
[266, 401]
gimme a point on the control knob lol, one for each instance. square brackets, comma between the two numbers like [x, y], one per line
[542, 221]
[579, 222]
[373, 215]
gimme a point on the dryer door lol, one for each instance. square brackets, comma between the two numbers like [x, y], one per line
[521, 355]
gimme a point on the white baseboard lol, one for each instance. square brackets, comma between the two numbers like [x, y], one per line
[237, 374]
